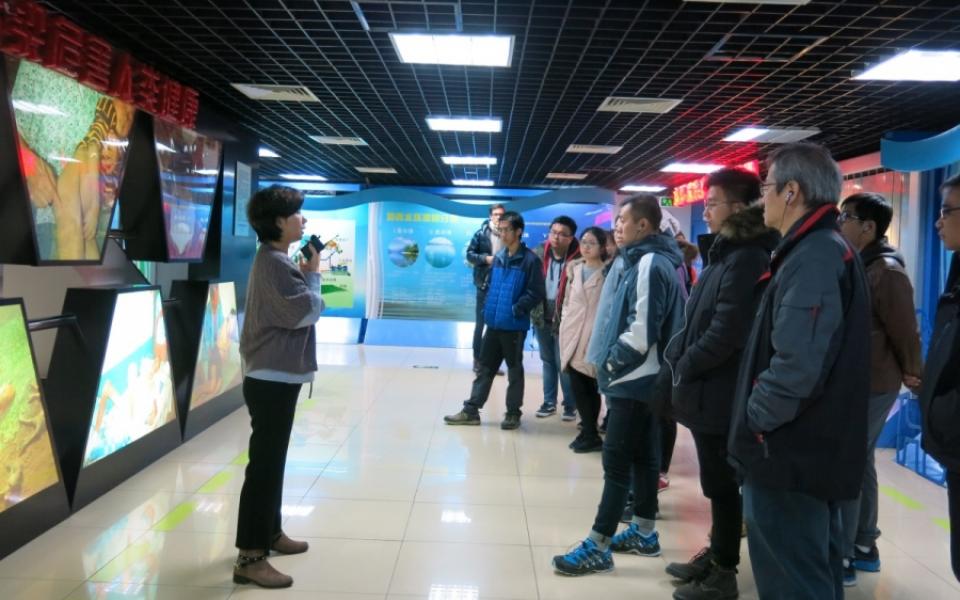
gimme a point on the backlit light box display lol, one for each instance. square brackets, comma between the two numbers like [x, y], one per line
[27, 464]
[135, 392]
[73, 145]
[189, 168]
[218, 362]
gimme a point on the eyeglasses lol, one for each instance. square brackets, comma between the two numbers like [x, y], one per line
[946, 210]
[844, 217]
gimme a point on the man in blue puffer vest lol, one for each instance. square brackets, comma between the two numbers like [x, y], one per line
[516, 286]
[640, 309]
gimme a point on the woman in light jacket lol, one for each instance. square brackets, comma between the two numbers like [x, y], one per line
[584, 284]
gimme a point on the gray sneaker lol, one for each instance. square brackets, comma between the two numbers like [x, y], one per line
[462, 418]
[510, 422]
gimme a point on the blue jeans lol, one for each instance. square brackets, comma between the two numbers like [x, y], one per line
[631, 453]
[550, 356]
[795, 542]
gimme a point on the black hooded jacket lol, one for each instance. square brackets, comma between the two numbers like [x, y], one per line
[940, 397]
[706, 355]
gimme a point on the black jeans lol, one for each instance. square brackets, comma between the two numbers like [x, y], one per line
[587, 395]
[795, 542]
[272, 406]
[668, 439]
[953, 502]
[631, 447]
[478, 327]
[719, 482]
[499, 345]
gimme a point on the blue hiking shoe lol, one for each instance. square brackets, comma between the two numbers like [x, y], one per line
[867, 561]
[585, 559]
[631, 541]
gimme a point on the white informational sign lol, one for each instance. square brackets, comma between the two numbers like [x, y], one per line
[244, 188]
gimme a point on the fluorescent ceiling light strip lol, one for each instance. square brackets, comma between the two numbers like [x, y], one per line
[916, 65]
[488, 125]
[454, 49]
[571, 176]
[299, 177]
[267, 153]
[642, 188]
[746, 134]
[473, 182]
[338, 140]
[380, 170]
[701, 168]
[469, 160]
[593, 149]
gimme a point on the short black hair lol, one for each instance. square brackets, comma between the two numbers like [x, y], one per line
[950, 184]
[267, 205]
[870, 206]
[566, 222]
[601, 236]
[738, 185]
[645, 206]
[494, 207]
[514, 219]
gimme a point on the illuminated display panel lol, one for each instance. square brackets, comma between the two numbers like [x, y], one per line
[218, 362]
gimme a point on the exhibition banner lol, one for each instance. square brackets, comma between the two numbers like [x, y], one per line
[343, 260]
[424, 272]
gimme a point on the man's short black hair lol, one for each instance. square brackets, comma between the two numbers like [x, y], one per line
[951, 184]
[494, 207]
[645, 206]
[566, 222]
[738, 185]
[870, 206]
[267, 205]
[513, 219]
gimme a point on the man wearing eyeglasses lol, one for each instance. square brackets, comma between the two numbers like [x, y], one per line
[895, 359]
[483, 247]
[560, 248]
[940, 398]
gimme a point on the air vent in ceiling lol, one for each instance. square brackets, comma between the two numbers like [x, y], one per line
[276, 93]
[592, 149]
[637, 105]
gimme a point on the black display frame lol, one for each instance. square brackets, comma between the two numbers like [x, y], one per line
[75, 370]
[141, 197]
[32, 516]
[185, 329]
[18, 228]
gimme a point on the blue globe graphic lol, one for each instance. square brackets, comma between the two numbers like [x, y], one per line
[440, 252]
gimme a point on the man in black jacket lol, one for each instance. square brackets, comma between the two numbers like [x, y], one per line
[483, 247]
[705, 359]
[799, 430]
[940, 398]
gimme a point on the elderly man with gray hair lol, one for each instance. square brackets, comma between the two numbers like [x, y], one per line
[799, 431]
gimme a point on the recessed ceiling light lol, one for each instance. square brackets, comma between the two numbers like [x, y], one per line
[469, 160]
[489, 125]
[916, 65]
[338, 141]
[275, 93]
[297, 176]
[777, 2]
[681, 167]
[454, 49]
[592, 149]
[764, 135]
[379, 170]
[267, 153]
[642, 188]
[473, 182]
[573, 176]
[629, 104]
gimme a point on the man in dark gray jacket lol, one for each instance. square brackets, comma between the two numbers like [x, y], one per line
[799, 424]
[483, 247]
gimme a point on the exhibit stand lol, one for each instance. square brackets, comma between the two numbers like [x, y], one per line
[204, 352]
[111, 394]
[32, 493]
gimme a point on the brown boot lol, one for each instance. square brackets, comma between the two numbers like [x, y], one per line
[285, 545]
[256, 569]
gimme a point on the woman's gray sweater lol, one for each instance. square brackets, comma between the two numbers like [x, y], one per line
[278, 338]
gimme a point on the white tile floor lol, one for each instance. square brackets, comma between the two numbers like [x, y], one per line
[397, 505]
